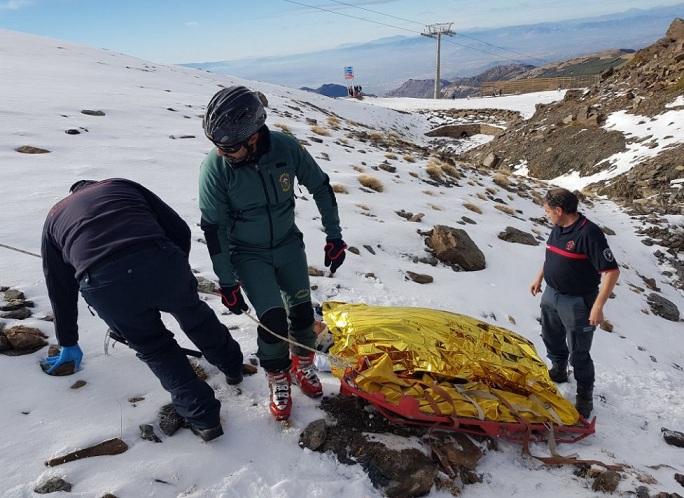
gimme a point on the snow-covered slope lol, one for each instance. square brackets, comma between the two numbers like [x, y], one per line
[44, 86]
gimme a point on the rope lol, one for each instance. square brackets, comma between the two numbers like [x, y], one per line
[338, 361]
[20, 250]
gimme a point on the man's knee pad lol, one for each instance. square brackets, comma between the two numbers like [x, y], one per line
[276, 320]
[301, 316]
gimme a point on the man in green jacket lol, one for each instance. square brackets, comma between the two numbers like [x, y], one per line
[246, 195]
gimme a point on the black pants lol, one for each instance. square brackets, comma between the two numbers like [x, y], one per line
[130, 292]
[567, 333]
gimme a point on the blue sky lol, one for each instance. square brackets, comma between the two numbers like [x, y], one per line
[181, 31]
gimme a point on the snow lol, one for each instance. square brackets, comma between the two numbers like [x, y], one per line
[524, 103]
[47, 83]
[646, 137]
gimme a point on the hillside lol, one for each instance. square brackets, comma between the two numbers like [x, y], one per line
[594, 63]
[620, 126]
[421, 89]
[99, 114]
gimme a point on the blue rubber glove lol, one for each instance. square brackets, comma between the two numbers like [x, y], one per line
[66, 354]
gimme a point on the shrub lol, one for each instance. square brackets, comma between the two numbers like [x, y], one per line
[472, 207]
[390, 156]
[283, 127]
[371, 182]
[319, 130]
[409, 158]
[338, 188]
[334, 122]
[504, 209]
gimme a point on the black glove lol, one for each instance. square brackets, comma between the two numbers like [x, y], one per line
[334, 254]
[232, 298]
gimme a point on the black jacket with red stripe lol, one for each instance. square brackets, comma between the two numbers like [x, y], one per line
[575, 258]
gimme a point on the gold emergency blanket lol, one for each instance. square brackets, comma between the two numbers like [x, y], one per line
[454, 365]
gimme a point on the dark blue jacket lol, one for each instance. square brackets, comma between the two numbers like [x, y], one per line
[95, 224]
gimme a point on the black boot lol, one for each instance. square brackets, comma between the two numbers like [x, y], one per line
[584, 401]
[209, 433]
[234, 378]
[559, 372]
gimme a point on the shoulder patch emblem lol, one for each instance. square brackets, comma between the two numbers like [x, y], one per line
[284, 180]
[570, 246]
[608, 255]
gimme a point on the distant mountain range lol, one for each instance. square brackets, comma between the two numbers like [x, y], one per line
[386, 63]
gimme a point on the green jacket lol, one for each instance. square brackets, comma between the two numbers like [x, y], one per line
[252, 207]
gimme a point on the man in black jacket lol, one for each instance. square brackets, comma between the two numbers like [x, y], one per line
[127, 252]
[577, 261]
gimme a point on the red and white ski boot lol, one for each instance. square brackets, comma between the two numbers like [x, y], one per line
[281, 399]
[304, 375]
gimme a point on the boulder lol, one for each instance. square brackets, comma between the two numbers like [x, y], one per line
[314, 435]
[25, 338]
[453, 246]
[518, 236]
[419, 278]
[52, 485]
[607, 482]
[206, 286]
[673, 438]
[663, 307]
[676, 30]
[491, 160]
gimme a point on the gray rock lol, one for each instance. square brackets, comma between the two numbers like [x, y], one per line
[52, 485]
[679, 478]
[673, 438]
[453, 246]
[606, 482]
[147, 433]
[354, 250]
[206, 286]
[19, 314]
[12, 294]
[314, 435]
[491, 161]
[663, 307]
[369, 249]
[315, 272]
[30, 149]
[89, 112]
[419, 278]
[518, 236]
[78, 384]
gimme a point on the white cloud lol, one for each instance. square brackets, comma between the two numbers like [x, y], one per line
[14, 4]
[192, 24]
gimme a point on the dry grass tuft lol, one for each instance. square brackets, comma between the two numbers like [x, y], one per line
[363, 206]
[409, 158]
[472, 207]
[371, 182]
[481, 196]
[319, 130]
[451, 171]
[338, 188]
[502, 181]
[358, 169]
[283, 127]
[491, 190]
[391, 156]
[334, 122]
[504, 209]
[435, 207]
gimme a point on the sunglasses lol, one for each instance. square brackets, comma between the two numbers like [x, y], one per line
[231, 149]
